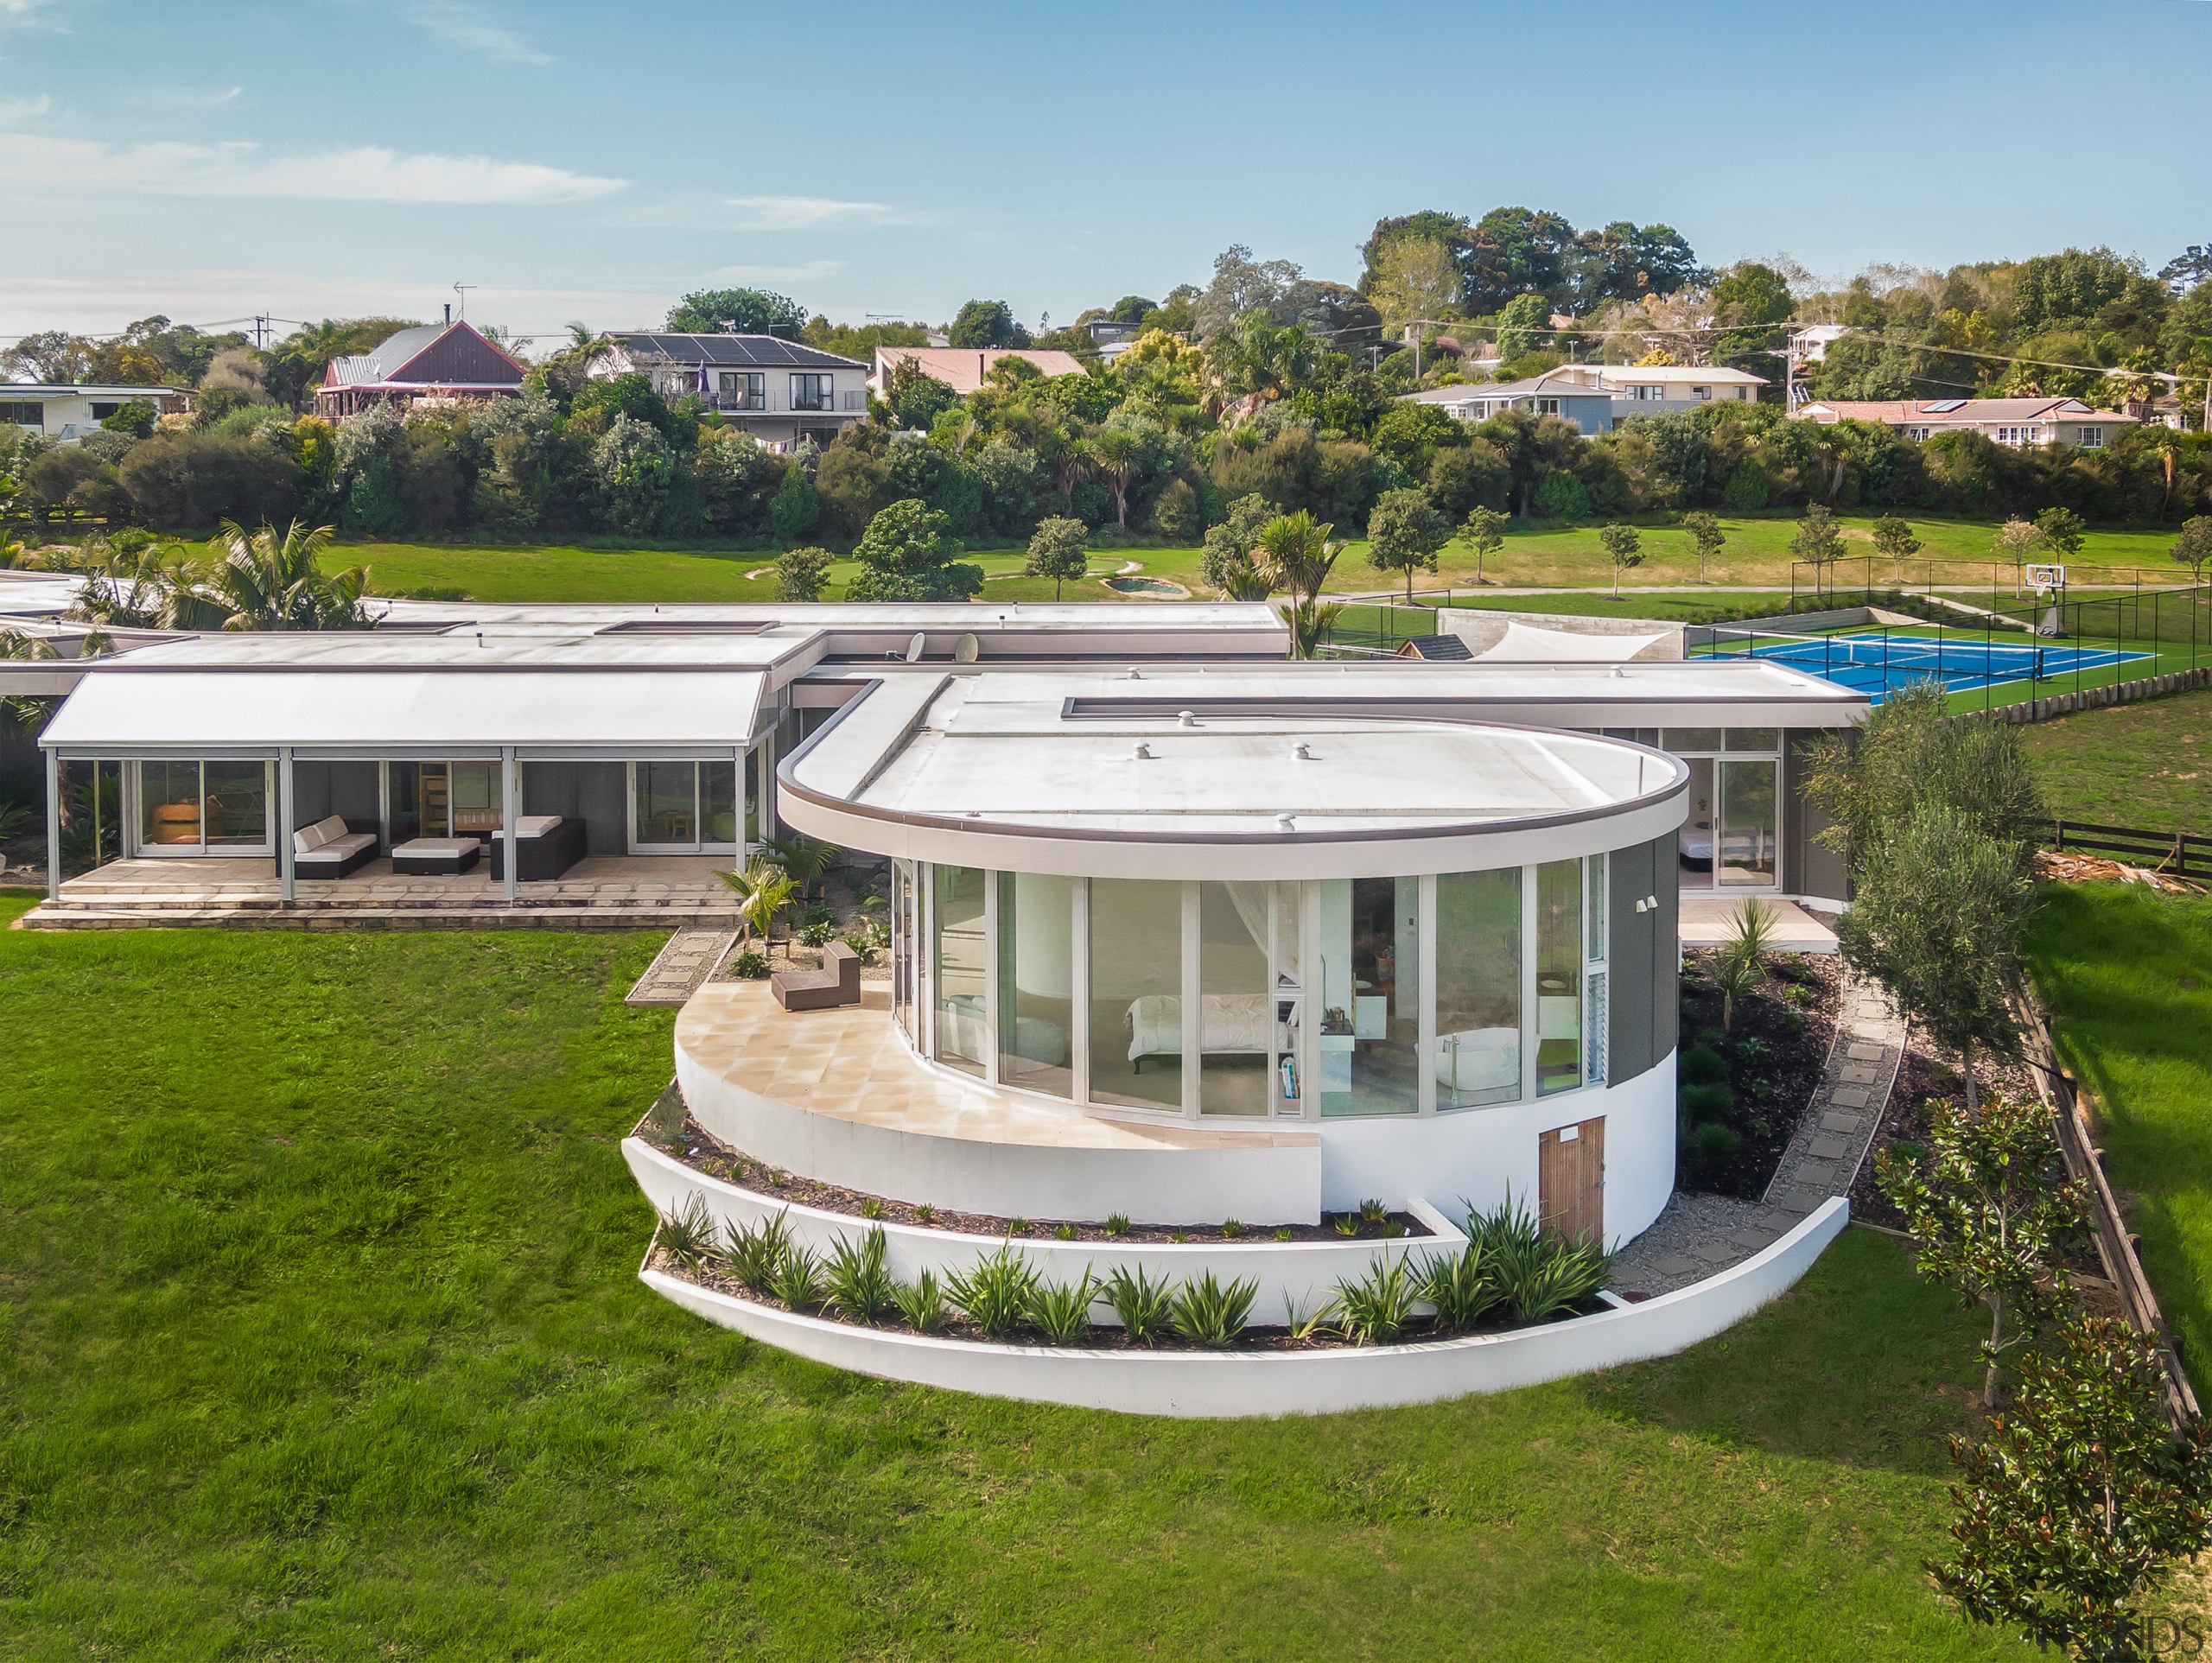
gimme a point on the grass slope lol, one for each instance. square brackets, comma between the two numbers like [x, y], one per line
[2128, 975]
[1540, 553]
[319, 1338]
[2136, 764]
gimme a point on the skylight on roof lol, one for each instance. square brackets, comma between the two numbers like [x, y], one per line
[1943, 407]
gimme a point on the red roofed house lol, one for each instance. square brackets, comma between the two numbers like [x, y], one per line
[2007, 420]
[963, 368]
[433, 361]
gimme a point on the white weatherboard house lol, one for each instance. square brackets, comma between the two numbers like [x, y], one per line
[1180, 930]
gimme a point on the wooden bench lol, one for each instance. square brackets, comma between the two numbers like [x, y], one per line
[837, 982]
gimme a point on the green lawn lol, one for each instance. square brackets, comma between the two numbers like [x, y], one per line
[2128, 974]
[320, 1337]
[2136, 765]
[1756, 553]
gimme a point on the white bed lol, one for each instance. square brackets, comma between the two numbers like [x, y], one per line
[1227, 1023]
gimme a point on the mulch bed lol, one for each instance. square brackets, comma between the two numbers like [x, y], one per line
[1794, 1015]
[1925, 1078]
[702, 1152]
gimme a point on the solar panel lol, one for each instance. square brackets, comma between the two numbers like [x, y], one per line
[1943, 407]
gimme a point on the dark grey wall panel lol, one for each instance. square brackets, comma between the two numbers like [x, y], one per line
[1665, 952]
[1814, 869]
[1629, 960]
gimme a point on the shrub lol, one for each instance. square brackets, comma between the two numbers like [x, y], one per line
[797, 1281]
[1713, 1143]
[1230, 1229]
[1064, 1231]
[1144, 1307]
[871, 1207]
[1374, 1308]
[181, 481]
[860, 1285]
[750, 966]
[1062, 1310]
[1209, 1314]
[817, 934]
[753, 1252]
[688, 1236]
[995, 1295]
[1372, 1211]
[1117, 1224]
[924, 1212]
[922, 1303]
[1706, 1102]
[1463, 1286]
[1561, 497]
[1701, 1065]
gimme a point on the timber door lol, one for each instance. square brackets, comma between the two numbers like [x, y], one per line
[1571, 1181]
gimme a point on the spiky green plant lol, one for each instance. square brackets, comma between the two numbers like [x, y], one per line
[1374, 1308]
[688, 1234]
[797, 1281]
[754, 1252]
[921, 1302]
[1210, 1314]
[1463, 1286]
[1117, 1224]
[858, 1275]
[1062, 1310]
[995, 1295]
[1145, 1306]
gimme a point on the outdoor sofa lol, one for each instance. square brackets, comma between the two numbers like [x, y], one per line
[546, 845]
[331, 847]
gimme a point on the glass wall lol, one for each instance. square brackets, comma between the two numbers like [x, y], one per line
[958, 971]
[1037, 982]
[1137, 982]
[1732, 838]
[1559, 976]
[189, 808]
[1235, 1048]
[1286, 917]
[1369, 995]
[683, 807]
[1478, 988]
[1748, 826]
[902, 945]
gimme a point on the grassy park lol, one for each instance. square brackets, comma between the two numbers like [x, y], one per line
[2147, 764]
[319, 1336]
[1536, 554]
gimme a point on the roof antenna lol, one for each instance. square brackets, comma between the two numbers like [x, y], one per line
[462, 289]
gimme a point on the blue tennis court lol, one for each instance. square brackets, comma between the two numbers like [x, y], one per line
[1881, 662]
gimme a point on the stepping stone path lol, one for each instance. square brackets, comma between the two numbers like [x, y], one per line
[1698, 1236]
[681, 967]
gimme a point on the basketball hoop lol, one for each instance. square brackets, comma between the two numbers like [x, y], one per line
[2044, 579]
[2050, 584]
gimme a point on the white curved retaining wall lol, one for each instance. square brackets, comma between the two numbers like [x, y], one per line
[1259, 1182]
[1225, 1385]
[1303, 1273]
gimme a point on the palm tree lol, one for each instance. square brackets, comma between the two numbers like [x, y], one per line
[763, 890]
[804, 859]
[267, 580]
[1295, 553]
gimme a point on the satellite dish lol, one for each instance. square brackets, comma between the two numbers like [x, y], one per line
[914, 647]
[965, 652]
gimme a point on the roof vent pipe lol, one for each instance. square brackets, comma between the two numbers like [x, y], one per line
[1142, 753]
[1284, 823]
[1136, 674]
[1185, 719]
[1302, 751]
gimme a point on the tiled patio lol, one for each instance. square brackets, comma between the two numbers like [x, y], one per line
[852, 1063]
[605, 892]
[1708, 920]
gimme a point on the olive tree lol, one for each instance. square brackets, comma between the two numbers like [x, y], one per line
[1404, 533]
[1894, 541]
[1706, 536]
[1058, 550]
[1484, 531]
[1622, 543]
[801, 573]
[2193, 546]
[1818, 543]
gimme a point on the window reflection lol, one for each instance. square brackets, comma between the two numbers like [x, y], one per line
[1478, 988]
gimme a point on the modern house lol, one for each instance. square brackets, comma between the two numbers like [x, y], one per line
[431, 364]
[965, 369]
[67, 413]
[2036, 420]
[1112, 339]
[780, 391]
[1598, 397]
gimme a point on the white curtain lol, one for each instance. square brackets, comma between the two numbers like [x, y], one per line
[1250, 901]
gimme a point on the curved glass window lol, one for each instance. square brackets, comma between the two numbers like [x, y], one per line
[1369, 996]
[1477, 1057]
[1136, 985]
[1236, 1041]
[1559, 976]
[1037, 982]
[958, 976]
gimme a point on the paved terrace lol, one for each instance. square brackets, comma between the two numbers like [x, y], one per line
[602, 892]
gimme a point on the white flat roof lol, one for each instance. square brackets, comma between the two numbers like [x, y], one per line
[368, 651]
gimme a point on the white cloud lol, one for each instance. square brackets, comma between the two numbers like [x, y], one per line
[364, 173]
[797, 212]
[25, 109]
[779, 274]
[463, 25]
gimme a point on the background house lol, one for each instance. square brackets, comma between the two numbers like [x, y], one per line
[778, 391]
[1589, 409]
[2007, 420]
[1598, 397]
[964, 368]
[68, 413]
[433, 363]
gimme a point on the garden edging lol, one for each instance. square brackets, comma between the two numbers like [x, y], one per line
[1225, 1385]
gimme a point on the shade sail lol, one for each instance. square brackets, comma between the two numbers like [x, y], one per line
[391, 712]
[1522, 643]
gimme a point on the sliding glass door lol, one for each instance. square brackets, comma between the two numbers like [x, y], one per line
[204, 808]
[684, 808]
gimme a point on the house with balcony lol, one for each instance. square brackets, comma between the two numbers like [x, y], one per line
[2014, 421]
[780, 391]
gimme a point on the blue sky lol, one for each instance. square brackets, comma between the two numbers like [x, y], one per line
[327, 157]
